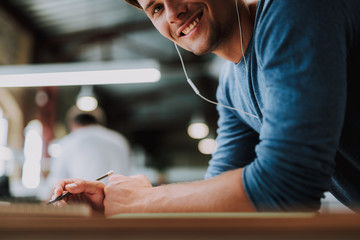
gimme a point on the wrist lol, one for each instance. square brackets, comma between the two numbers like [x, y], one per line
[224, 193]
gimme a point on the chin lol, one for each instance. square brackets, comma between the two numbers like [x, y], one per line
[197, 49]
[200, 50]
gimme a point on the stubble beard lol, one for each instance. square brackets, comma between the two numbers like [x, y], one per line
[217, 38]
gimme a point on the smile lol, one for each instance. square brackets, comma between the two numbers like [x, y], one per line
[192, 25]
[188, 29]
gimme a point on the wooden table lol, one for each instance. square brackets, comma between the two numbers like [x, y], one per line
[184, 226]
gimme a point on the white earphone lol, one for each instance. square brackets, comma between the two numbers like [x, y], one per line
[197, 90]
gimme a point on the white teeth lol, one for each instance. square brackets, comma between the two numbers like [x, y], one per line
[191, 26]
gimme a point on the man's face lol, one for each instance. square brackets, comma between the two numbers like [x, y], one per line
[199, 26]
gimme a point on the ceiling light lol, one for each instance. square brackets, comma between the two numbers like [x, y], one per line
[198, 128]
[87, 104]
[207, 146]
[86, 100]
[72, 74]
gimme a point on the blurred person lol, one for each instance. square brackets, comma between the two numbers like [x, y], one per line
[89, 151]
[291, 73]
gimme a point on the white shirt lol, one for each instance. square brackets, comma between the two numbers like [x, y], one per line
[88, 153]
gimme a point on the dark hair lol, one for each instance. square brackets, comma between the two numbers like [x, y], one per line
[134, 3]
[85, 119]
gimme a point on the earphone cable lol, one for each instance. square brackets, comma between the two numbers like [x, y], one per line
[196, 90]
[241, 36]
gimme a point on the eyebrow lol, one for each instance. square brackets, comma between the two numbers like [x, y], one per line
[148, 5]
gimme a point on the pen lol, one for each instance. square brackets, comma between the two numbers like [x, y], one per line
[65, 194]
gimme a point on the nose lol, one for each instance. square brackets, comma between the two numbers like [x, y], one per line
[175, 9]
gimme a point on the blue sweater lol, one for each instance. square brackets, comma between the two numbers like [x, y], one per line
[303, 61]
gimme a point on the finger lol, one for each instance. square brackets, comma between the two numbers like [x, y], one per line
[60, 185]
[59, 203]
[82, 186]
[56, 192]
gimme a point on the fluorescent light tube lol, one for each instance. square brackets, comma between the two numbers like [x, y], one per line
[79, 74]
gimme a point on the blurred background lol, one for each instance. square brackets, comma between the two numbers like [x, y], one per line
[154, 117]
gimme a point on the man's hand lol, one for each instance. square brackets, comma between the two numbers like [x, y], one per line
[125, 194]
[90, 192]
[224, 193]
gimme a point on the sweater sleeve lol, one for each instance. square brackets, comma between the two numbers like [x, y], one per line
[235, 140]
[301, 49]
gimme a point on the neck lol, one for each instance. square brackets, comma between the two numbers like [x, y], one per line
[231, 49]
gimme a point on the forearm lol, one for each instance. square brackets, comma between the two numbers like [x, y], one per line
[224, 193]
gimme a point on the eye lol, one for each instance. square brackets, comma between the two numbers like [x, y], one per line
[157, 8]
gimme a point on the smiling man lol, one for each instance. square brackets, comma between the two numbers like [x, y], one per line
[199, 26]
[295, 133]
